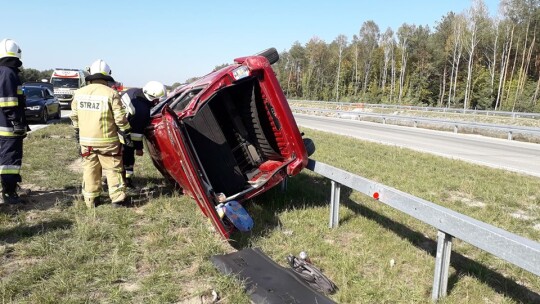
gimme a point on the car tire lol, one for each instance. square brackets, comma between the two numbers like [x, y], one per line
[268, 149]
[44, 116]
[271, 54]
[58, 114]
[310, 146]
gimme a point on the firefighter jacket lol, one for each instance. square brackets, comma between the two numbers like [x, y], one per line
[141, 118]
[99, 115]
[12, 101]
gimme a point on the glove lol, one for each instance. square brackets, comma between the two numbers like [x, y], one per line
[126, 135]
[19, 128]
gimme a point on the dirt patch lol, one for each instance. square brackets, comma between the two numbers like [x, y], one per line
[11, 266]
[40, 198]
[520, 214]
[36, 198]
[466, 199]
[76, 165]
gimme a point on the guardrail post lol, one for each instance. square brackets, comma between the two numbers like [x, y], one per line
[510, 135]
[384, 120]
[442, 263]
[415, 123]
[455, 128]
[334, 204]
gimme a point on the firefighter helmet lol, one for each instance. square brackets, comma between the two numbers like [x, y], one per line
[154, 90]
[9, 48]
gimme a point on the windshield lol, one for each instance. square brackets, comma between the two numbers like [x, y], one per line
[72, 83]
[32, 92]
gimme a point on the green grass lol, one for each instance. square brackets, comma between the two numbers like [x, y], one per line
[54, 250]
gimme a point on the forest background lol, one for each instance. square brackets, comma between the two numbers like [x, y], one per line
[469, 60]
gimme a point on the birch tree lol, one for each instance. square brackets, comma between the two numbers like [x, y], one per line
[404, 33]
[341, 43]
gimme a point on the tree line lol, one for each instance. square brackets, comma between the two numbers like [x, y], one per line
[29, 74]
[469, 60]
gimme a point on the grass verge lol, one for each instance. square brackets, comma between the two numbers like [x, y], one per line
[54, 250]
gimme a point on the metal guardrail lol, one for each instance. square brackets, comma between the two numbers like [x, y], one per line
[509, 130]
[426, 109]
[510, 247]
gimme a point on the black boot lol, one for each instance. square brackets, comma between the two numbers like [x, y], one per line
[11, 198]
[129, 183]
[9, 194]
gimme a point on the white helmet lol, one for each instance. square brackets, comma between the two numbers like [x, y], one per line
[154, 90]
[100, 67]
[9, 48]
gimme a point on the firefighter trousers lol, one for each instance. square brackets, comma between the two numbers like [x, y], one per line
[109, 160]
[128, 157]
[11, 154]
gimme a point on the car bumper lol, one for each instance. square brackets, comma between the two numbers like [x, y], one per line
[33, 114]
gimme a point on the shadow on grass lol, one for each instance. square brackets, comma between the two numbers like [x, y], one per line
[305, 190]
[462, 264]
[153, 188]
[41, 200]
[16, 234]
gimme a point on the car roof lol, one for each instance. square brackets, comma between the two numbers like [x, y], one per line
[39, 84]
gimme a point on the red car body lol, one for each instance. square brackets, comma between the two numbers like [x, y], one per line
[228, 136]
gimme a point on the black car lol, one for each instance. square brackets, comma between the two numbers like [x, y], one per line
[41, 104]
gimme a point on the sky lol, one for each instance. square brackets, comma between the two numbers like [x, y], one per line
[172, 41]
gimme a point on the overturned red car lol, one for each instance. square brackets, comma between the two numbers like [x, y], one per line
[228, 136]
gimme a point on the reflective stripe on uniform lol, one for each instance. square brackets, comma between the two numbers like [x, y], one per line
[119, 113]
[90, 141]
[19, 90]
[126, 127]
[7, 131]
[91, 194]
[10, 169]
[136, 137]
[9, 101]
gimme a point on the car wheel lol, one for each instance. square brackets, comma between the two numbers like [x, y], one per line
[271, 54]
[310, 146]
[44, 116]
[268, 149]
[58, 113]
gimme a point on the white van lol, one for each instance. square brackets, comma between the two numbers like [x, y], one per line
[65, 82]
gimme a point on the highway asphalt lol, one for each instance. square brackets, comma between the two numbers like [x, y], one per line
[497, 153]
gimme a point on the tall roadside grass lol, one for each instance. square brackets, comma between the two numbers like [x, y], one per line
[54, 250]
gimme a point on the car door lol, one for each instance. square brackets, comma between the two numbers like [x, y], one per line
[179, 153]
[53, 106]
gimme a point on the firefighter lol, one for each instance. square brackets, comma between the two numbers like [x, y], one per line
[100, 123]
[13, 125]
[138, 102]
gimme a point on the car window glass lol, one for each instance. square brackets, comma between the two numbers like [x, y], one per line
[32, 92]
[183, 100]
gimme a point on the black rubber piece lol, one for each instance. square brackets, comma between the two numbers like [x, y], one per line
[271, 54]
[265, 280]
[310, 146]
[260, 127]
